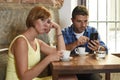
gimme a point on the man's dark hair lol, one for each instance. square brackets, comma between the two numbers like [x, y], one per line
[79, 10]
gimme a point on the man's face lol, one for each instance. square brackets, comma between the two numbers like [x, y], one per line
[80, 23]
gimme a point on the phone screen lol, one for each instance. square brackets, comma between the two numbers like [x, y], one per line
[93, 36]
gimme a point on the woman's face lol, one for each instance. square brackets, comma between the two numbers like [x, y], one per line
[43, 25]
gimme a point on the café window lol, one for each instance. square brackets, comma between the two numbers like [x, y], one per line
[104, 15]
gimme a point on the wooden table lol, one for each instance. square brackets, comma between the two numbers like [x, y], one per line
[86, 64]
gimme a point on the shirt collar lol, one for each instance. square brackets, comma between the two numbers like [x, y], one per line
[85, 32]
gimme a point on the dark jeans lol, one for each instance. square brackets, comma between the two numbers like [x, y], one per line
[95, 76]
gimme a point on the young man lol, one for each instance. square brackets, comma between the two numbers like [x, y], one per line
[78, 34]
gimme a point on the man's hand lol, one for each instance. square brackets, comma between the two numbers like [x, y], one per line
[82, 40]
[93, 45]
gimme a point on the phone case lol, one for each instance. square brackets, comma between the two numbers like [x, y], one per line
[93, 36]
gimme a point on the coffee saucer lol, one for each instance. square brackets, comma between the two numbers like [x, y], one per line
[67, 59]
[84, 54]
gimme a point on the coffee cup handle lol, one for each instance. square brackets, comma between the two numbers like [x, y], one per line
[77, 50]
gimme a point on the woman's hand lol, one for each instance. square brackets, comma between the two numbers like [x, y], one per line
[54, 25]
[55, 56]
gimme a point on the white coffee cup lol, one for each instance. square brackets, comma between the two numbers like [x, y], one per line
[80, 50]
[66, 55]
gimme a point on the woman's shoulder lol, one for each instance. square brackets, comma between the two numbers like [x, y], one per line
[20, 39]
[18, 42]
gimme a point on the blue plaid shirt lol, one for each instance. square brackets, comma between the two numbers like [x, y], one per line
[70, 37]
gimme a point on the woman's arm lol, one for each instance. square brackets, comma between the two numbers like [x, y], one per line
[59, 39]
[20, 53]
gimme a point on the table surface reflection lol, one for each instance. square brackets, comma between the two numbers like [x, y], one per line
[86, 64]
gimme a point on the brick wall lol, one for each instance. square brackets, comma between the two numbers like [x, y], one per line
[54, 3]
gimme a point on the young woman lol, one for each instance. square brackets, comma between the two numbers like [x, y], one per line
[24, 51]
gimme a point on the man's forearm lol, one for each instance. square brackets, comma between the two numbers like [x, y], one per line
[71, 46]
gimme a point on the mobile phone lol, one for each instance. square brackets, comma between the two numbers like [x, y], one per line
[93, 36]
